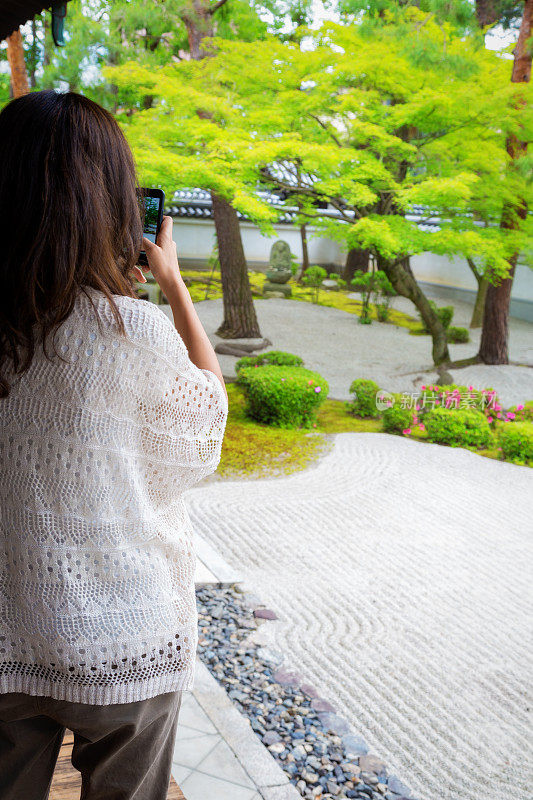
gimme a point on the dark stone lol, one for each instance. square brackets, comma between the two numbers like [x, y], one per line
[225, 349]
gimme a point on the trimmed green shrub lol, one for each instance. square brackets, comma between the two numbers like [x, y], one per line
[458, 427]
[444, 312]
[523, 412]
[285, 397]
[453, 396]
[516, 441]
[395, 418]
[457, 335]
[364, 399]
[277, 357]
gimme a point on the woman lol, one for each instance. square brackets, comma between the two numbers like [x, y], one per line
[107, 414]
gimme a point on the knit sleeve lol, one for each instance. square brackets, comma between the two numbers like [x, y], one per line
[183, 408]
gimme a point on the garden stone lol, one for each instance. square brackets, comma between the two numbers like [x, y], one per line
[369, 778]
[227, 349]
[277, 747]
[276, 290]
[354, 744]
[279, 269]
[334, 723]
[271, 737]
[371, 763]
[286, 677]
[328, 283]
[264, 613]
[240, 347]
[395, 785]
[319, 704]
[309, 777]
[251, 345]
[445, 378]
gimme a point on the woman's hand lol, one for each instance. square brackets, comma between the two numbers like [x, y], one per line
[162, 256]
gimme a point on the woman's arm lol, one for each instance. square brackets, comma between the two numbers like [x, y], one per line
[163, 263]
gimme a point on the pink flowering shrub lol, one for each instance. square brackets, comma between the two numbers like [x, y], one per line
[523, 412]
[285, 397]
[455, 397]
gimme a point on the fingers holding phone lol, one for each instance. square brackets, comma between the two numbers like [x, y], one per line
[162, 255]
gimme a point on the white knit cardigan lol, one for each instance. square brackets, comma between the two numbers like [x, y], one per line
[97, 600]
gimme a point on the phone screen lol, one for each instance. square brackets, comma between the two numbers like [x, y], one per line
[151, 217]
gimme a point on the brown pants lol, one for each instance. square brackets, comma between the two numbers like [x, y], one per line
[123, 751]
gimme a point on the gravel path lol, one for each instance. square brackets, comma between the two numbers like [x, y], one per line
[333, 343]
[401, 574]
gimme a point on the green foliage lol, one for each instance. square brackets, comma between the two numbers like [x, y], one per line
[395, 418]
[422, 113]
[364, 398]
[373, 284]
[461, 427]
[272, 357]
[313, 277]
[445, 314]
[516, 441]
[457, 335]
[285, 397]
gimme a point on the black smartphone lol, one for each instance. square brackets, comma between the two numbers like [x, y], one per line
[152, 202]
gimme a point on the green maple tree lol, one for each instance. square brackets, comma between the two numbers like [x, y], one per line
[364, 129]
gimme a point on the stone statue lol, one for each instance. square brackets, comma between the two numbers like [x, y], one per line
[279, 271]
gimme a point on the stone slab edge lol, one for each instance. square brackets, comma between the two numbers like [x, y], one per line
[215, 563]
[258, 763]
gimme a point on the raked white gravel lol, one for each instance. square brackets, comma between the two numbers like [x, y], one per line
[339, 348]
[401, 573]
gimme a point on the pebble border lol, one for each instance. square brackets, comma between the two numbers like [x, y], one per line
[314, 745]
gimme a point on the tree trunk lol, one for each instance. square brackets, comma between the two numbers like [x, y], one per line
[356, 259]
[487, 12]
[305, 252]
[240, 320]
[405, 284]
[34, 55]
[17, 65]
[494, 347]
[479, 305]
[495, 334]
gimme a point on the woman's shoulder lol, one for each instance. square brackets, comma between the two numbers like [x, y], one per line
[144, 321]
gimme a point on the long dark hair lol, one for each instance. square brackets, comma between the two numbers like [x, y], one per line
[69, 217]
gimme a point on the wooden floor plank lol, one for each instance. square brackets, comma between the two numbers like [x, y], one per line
[66, 784]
